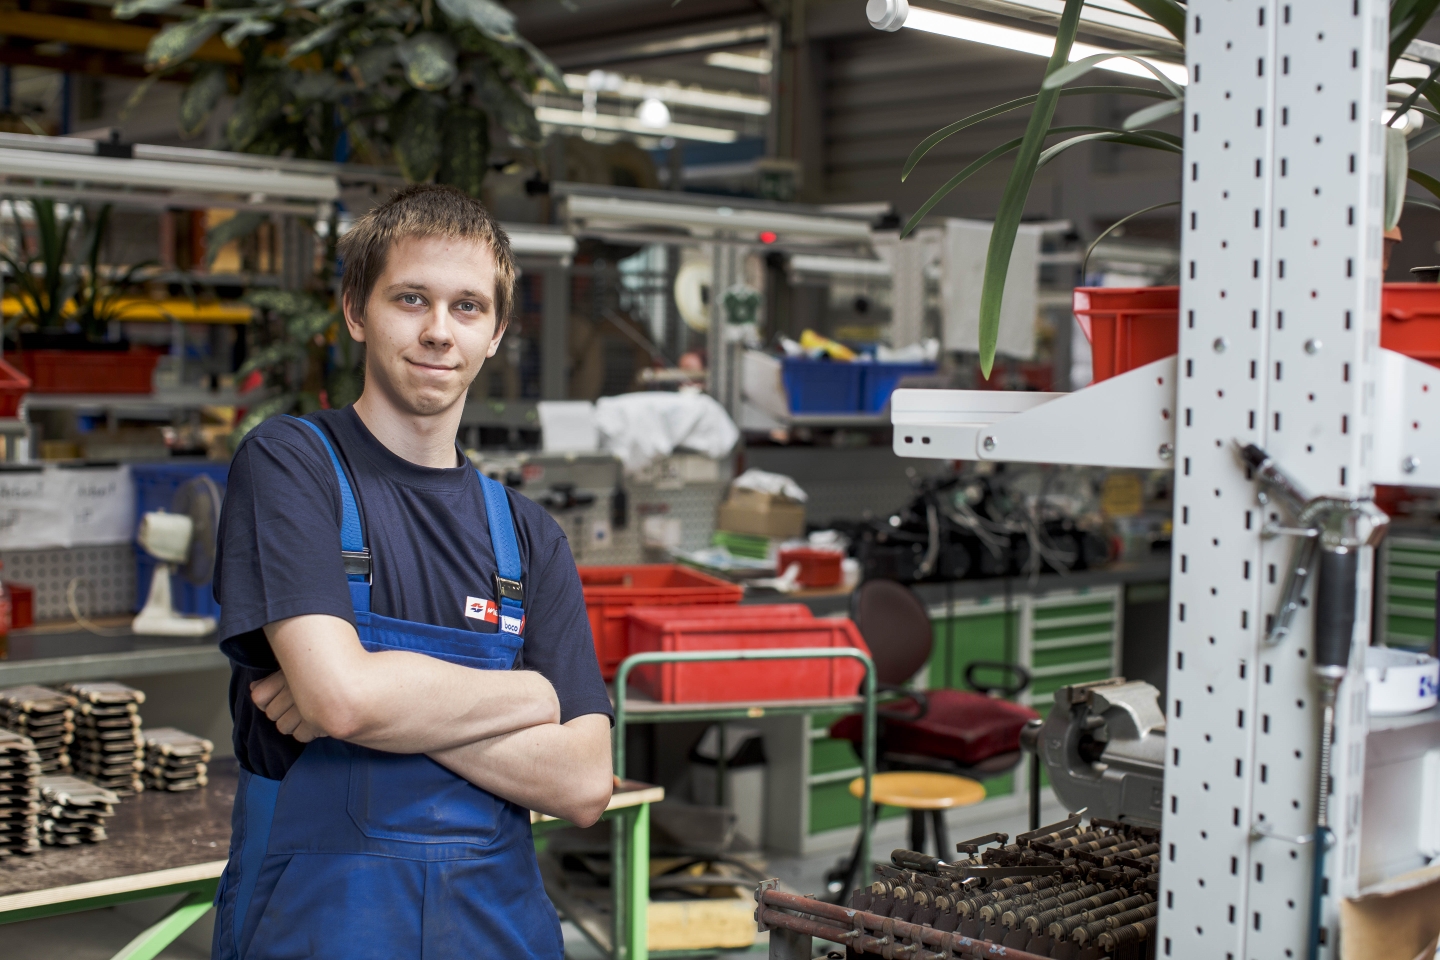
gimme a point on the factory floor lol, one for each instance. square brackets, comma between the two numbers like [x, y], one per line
[99, 934]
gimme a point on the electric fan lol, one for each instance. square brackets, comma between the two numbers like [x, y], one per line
[182, 540]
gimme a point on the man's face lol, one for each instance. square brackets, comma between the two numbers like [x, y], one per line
[430, 322]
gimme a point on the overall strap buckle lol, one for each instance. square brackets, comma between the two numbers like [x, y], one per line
[512, 590]
[357, 563]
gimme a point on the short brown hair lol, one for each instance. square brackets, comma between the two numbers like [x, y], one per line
[422, 210]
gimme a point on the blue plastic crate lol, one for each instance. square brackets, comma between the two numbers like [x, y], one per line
[880, 379]
[821, 386]
[155, 486]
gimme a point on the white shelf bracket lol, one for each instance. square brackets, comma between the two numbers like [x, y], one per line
[1126, 421]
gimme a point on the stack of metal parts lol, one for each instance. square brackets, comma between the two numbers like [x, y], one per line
[109, 748]
[73, 811]
[46, 717]
[175, 760]
[19, 796]
[1068, 891]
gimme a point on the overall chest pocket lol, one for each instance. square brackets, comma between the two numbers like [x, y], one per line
[411, 798]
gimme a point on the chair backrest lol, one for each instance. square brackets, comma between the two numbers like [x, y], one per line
[895, 626]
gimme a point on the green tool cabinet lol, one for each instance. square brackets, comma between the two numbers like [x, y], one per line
[1405, 594]
[1061, 637]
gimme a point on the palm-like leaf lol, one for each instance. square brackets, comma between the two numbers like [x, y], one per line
[947, 131]
[1012, 201]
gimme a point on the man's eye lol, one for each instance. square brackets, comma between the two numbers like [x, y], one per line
[412, 298]
[467, 305]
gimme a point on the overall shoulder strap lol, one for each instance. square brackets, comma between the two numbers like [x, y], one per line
[352, 533]
[509, 585]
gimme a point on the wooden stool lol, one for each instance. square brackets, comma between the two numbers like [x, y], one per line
[921, 792]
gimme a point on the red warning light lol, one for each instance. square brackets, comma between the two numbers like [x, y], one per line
[768, 236]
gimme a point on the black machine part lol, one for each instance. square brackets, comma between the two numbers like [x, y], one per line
[199, 498]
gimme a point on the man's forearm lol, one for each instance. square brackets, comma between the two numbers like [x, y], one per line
[394, 700]
[562, 770]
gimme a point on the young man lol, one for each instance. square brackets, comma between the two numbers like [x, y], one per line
[412, 667]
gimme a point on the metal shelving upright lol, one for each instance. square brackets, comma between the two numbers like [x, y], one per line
[1284, 184]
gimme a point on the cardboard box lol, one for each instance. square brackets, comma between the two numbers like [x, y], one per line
[761, 514]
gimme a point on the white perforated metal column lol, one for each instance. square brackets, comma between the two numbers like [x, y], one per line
[1279, 313]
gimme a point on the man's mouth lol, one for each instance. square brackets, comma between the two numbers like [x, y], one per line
[438, 367]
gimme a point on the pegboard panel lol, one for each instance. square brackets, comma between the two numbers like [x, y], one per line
[106, 574]
[1278, 292]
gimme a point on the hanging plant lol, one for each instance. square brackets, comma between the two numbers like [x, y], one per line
[1407, 18]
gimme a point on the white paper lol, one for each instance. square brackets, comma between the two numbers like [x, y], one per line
[54, 507]
[568, 426]
[966, 244]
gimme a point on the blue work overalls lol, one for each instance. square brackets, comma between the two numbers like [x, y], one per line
[358, 853]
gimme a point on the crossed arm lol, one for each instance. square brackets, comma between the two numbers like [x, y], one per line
[499, 729]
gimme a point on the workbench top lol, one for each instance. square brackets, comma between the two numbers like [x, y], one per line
[50, 655]
[150, 832]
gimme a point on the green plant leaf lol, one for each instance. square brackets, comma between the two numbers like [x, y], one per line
[1085, 262]
[249, 27]
[486, 16]
[1406, 22]
[547, 69]
[273, 355]
[1084, 65]
[1139, 138]
[929, 142]
[970, 170]
[1414, 95]
[1167, 13]
[262, 100]
[302, 328]
[259, 414]
[1426, 181]
[419, 135]
[1150, 114]
[320, 85]
[128, 9]
[178, 42]
[1397, 162]
[316, 39]
[466, 157]
[1420, 139]
[429, 61]
[286, 303]
[370, 67]
[514, 114]
[1017, 189]
[242, 224]
[1411, 201]
[1430, 92]
[200, 99]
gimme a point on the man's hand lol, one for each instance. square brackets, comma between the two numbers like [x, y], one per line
[273, 696]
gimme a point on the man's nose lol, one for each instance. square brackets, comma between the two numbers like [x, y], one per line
[437, 332]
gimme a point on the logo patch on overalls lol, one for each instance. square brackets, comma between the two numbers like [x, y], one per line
[513, 625]
[478, 608]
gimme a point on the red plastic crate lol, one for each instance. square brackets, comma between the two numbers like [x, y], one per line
[90, 371]
[766, 627]
[610, 592]
[13, 385]
[1410, 320]
[818, 568]
[1128, 327]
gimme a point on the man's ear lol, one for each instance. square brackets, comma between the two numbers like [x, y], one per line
[500, 329]
[354, 319]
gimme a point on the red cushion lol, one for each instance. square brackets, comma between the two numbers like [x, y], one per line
[965, 727]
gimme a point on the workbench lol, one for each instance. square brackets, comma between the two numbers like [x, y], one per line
[162, 844]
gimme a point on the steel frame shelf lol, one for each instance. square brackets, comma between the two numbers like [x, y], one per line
[1284, 185]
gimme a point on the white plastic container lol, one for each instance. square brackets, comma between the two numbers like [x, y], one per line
[1400, 681]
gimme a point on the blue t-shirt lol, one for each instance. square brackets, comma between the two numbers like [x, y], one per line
[429, 538]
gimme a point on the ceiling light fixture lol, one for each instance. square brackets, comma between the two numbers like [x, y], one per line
[609, 121]
[891, 15]
[625, 88]
[653, 114]
[745, 63]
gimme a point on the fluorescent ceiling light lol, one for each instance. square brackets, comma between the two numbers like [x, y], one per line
[1024, 41]
[745, 63]
[610, 121]
[631, 89]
